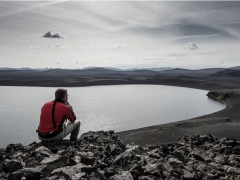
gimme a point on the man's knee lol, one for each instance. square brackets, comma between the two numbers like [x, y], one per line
[78, 122]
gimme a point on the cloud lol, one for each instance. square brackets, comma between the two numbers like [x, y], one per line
[177, 55]
[20, 9]
[34, 47]
[49, 34]
[190, 46]
[60, 46]
[152, 59]
[195, 36]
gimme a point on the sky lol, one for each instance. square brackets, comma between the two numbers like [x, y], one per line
[120, 34]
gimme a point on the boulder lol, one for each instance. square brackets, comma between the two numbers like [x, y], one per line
[87, 160]
[11, 148]
[68, 172]
[43, 151]
[109, 172]
[11, 165]
[125, 175]
[153, 169]
[150, 177]
[27, 173]
[54, 162]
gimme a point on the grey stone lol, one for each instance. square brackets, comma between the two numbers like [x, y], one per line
[220, 159]
[45, 152]
[126, 156]
[54, 162]
[154, 155]
[28, 173]
[11, 165]
[68, 172]
[188, 176]
[202, 155]
[230, 169]
[75, 160]
[115, 149]
[88, 169]
[99, 175]
[174, 162]
[125, 175]
[109, 172]
[87, 160]
[153, 169]
[150, 177]
[11, 148]
[138, 169]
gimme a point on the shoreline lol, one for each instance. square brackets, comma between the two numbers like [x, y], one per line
[224, 123]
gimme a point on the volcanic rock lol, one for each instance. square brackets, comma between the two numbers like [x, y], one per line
[102, 155]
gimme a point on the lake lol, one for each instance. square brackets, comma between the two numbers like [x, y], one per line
[116, 107]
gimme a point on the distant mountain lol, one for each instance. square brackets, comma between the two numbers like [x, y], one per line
[177, 70]
[236, 67]
[8, 68]
[190, 73]
[109, 68]
[131, 69]
[24, 68]
[111, 73]
[227, 73]
[152, 69]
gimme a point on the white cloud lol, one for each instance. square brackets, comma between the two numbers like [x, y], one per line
[60, 46]
[49, 34]
[34, 47]
[190, 46]
[196, 36]
[125, 29]
[177, 55]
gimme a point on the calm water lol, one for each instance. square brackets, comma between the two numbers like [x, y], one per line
[118, 107]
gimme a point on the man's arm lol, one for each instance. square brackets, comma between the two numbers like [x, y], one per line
[70, 115]
[74, 115]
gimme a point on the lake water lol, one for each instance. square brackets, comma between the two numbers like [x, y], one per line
[117, 107]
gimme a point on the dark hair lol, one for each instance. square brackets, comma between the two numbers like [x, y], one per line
[60, 93]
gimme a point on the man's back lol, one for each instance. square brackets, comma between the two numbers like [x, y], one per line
[53, 116]
[61, 113]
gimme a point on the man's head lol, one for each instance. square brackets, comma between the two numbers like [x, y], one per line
[61, 94]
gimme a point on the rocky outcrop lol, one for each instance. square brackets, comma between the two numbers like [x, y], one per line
[102, 155]
[220, 95]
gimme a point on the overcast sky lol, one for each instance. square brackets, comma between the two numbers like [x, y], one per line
[127, 34]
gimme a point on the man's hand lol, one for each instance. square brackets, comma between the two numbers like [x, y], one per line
[67, 103]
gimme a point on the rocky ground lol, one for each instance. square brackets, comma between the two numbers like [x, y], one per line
[103, 155]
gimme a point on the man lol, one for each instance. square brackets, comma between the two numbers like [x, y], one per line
[53, 123]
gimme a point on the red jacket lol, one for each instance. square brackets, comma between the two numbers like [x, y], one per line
[62, 112]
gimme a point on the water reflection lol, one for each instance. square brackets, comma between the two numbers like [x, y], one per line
[118, 108]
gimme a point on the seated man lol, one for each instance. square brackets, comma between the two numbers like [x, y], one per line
[53, 119]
